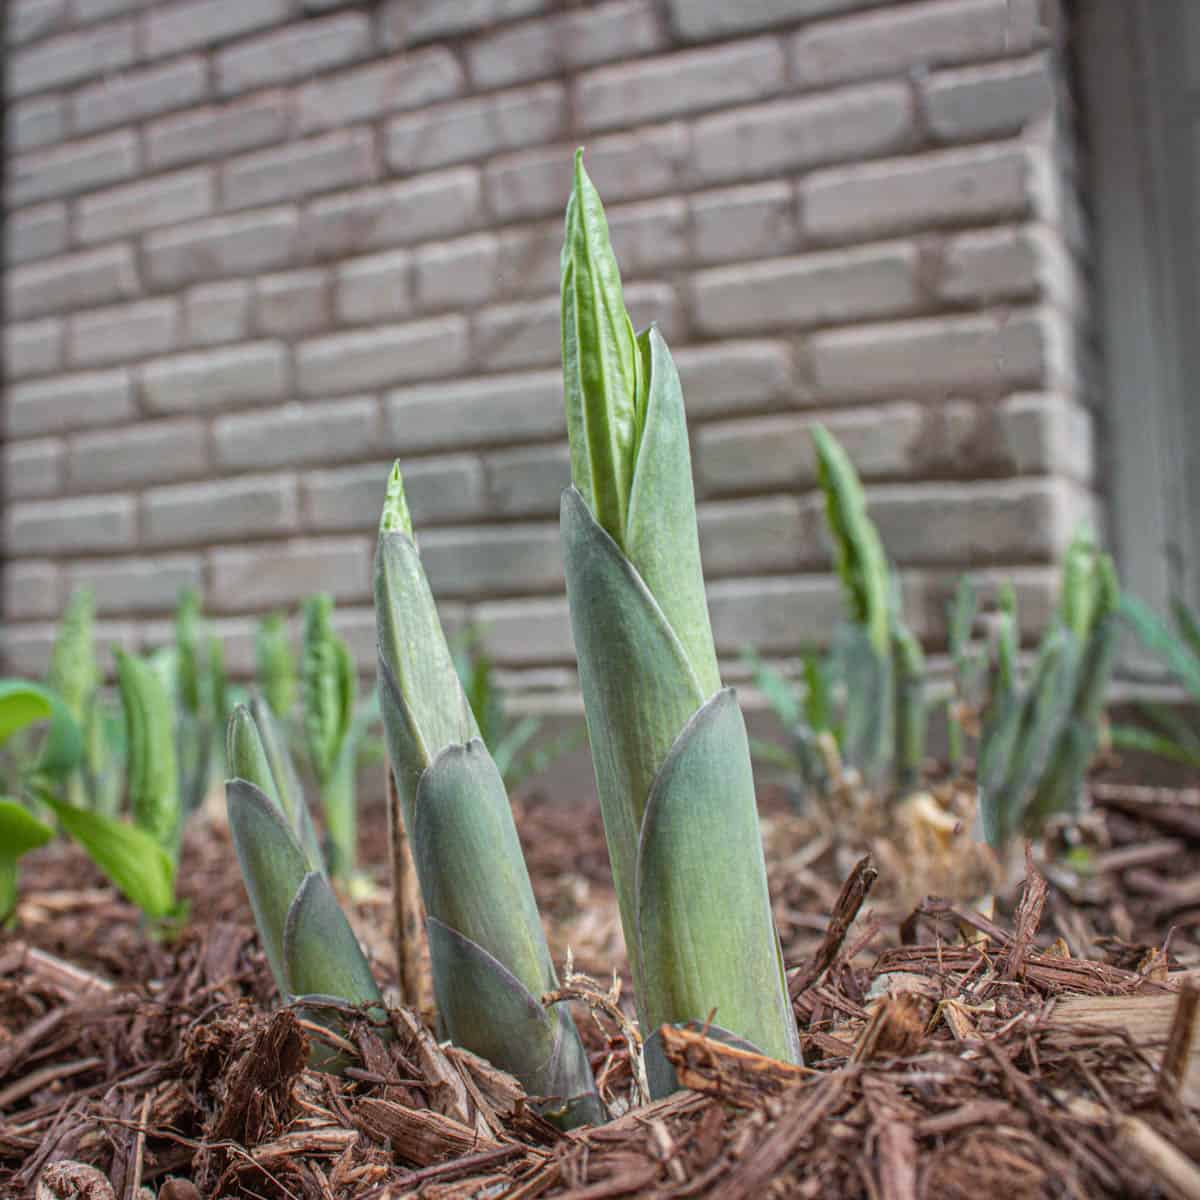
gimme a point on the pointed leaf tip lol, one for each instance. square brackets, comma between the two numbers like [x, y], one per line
[395, 516]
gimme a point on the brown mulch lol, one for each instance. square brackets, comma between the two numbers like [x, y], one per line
[1045, 1049]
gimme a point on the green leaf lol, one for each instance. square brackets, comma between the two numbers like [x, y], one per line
[275, 663]
[705, 927]
[638, 686]
[131, 858]
[22, 704]
[1188, 624]
[273, 866]
[601, 364]
[462, 821]
[20, 830]
[1157, 637]
[321, 955]
[490, 1011]
[1134, 737]
[661, 540]
[514, 740]
[776, 689]
[423, 704]
[858, 553]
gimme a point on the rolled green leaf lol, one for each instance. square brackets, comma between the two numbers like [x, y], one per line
[276, 666]
[256, 752]
[153, 777]
[488, 950]
[677, 798]
[74, 672]
[910, 707]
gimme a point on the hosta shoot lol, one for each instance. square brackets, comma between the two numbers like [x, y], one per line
[669, 744]
[488, 951]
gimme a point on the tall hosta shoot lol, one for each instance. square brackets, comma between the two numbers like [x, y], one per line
[669, 745]
[489, 955]
[866, 696]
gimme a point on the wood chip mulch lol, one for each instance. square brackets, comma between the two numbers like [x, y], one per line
[948, 1053]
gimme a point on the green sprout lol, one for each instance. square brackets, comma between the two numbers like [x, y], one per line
[669, 744]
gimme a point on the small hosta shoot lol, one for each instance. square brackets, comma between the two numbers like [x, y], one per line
[309, 944]
[669, 745]
[489, 956]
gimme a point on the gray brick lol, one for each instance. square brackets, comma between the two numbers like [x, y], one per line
[206, 250]
[37, 122]
[32, 469]
[293, 53]
[433, 206]
[790, 135]
[377, 288]
[776, 451]
[256, 506]
[985, 353]
[994, 264]
[111, 335]
[26, 649]
[564, 42]
[165, 200]
[377, 357]
[299, 169]
[917, 36]
[459, 274]
[282, 574]
[734, 377]
[236, 634]
[216, 133]
[774, 614]
[476, 412]
[33, 348]
[623, 166]
[35, 233]
[988, 183]
[530, 262]
[87, 11]
[493, 560]
[476, 128]
[91, 524]
[695, 81]
[217, 312]
[409, 81]
[984, 522]
[158, 452]
[990, 101]
[815, 289]
[291, 303]
[437, 489]
[72, 168]
[743, 536]
[71, 58]
[74, 281]
[756, 221]
[297, 433]
[403, 22]
[170, 30]
[648, 236]
[527, 482]
[1026, 434]
[529, 333]
[28, 20]
[135, 95]
[530, 630]
[127, 586]
[699, 20]
[68, 402]
[252, 373]
[31, 589]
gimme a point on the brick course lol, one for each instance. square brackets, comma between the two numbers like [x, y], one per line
[256, 249]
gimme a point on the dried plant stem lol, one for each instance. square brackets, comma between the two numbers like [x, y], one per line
[412, 946]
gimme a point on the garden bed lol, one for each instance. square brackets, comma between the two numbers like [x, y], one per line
[1044, 1050]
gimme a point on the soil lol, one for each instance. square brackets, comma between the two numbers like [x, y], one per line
[966, 1026]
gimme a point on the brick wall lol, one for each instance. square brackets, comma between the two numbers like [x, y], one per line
[257, 248]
